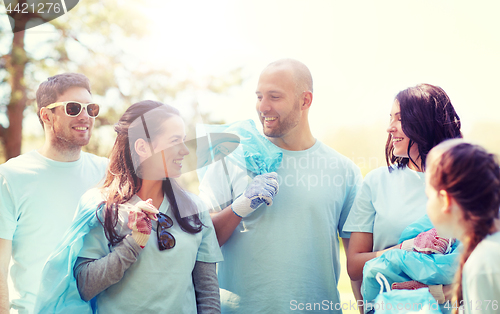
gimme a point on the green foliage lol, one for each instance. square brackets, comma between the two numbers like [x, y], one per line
[92, 39]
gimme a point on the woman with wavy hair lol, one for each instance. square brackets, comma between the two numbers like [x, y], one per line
[155, 248]
[463, 187]
[393, 197]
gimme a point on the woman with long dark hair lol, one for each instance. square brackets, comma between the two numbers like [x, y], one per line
[155, 249]
[463, 187]
[393, 197]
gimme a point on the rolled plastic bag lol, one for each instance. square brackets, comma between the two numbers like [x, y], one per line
[239, 142]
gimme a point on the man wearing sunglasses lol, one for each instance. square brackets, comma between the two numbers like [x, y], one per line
[285, 256]
[40, 190]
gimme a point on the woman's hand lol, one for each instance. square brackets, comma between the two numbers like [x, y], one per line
[139, 221]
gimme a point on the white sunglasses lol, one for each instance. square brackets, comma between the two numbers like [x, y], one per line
[74, 108]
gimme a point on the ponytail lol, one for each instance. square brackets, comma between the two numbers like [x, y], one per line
[471, 176]
[478, 231]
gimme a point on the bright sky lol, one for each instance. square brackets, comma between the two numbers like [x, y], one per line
[360, 53]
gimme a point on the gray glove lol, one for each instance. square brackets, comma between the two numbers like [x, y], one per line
[261, 190]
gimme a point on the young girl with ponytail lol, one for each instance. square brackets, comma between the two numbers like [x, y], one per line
[463, 189]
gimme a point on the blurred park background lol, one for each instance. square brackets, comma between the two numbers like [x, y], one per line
[205, 57]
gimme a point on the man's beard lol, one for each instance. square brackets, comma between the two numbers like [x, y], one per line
[288, 123]
[62, 142]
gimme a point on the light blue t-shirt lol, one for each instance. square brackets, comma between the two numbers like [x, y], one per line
[481, 277]
[38, 198]
[287, 253]
[159, 281]
[386, 204]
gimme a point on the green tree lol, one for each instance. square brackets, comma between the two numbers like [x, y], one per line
[89, 27]
[91, 39]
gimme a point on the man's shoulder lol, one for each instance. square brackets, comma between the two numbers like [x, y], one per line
[19, 160]
[331, 153]
[328, 150]
[20, 164]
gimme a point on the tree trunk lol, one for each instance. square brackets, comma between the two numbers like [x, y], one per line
[16, 64]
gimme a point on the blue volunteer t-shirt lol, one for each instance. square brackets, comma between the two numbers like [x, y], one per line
[159, 281]
[38, 198]
[287, 253]
[387, 203]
